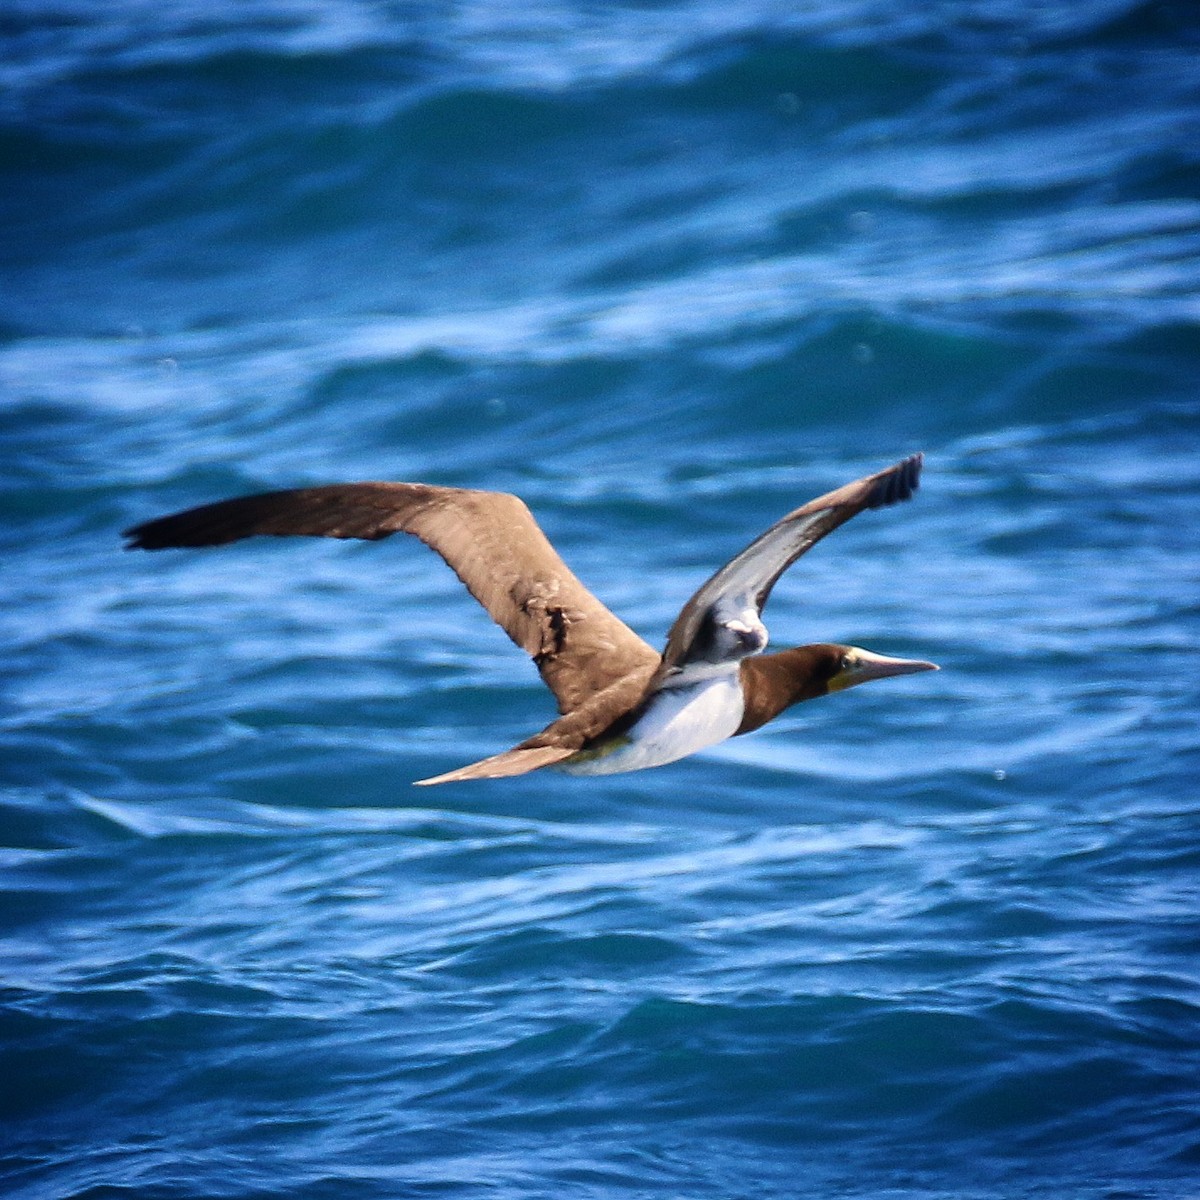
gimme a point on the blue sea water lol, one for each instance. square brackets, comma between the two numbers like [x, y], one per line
[666, 270]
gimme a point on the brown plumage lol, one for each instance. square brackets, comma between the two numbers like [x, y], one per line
[489, 539]
[603, 675]
[772, 683]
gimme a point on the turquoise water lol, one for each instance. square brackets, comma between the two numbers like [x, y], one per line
[667, 271]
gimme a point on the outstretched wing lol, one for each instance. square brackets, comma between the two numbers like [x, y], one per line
[753, 572]
[489, 539]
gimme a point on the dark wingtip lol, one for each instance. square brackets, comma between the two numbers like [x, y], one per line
[135, 538]
[151, 535]
[176, 530]
[897, 483]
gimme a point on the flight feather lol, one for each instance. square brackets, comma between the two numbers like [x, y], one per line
[489, 539]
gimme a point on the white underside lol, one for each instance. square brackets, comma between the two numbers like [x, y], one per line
[681, 720]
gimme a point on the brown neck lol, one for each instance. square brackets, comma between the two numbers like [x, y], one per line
[773, 682]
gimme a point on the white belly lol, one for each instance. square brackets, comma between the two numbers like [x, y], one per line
[680, 721]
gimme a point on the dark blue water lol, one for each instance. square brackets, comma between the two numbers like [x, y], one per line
[666, 270]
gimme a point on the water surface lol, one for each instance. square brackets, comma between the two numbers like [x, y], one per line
[667, 271]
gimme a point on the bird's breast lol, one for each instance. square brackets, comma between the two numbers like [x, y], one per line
[677, 722]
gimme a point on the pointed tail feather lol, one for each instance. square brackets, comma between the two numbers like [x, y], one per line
[518, 761]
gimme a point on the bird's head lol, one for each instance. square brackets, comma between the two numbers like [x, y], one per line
[775, 682]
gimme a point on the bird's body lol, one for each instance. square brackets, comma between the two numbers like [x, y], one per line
[622, 705]
[677, 721]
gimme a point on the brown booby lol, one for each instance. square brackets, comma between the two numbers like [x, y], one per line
[623, 706]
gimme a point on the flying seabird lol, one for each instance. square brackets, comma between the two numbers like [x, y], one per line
[622, 705]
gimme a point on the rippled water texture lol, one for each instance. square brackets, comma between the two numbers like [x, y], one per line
[666, 270]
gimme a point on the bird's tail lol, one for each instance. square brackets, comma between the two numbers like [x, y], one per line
[517, 761]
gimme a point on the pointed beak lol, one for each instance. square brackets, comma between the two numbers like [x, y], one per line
[862, 666]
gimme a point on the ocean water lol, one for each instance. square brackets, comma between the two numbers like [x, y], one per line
[666, 270]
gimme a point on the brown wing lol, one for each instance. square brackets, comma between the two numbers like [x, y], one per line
[489, 539]
[754, 571]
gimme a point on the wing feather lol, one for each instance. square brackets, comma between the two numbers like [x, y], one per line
[756, 569]
[489, 539]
